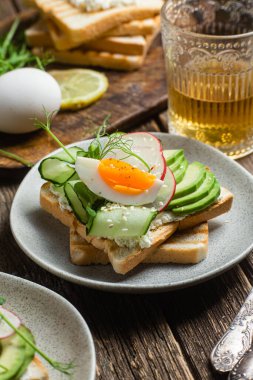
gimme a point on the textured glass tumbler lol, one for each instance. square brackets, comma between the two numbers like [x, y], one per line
[208, 46]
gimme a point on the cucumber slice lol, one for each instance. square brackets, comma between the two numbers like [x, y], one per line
[200, 193]
[194, 176]
[63, 156]
[75, 202]
[180, 172]
[201, 204]
[81, 199]
[56, 171]
[12, 356]
[122, 221]
[172, 155]
[29, 352]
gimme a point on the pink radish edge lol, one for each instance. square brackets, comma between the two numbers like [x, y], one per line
[161, 150]
[14, 319]
[173, 191]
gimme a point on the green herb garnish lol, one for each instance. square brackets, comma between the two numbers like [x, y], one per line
[16, 55]
[46, 126]
[115, 141]
[15, 157]
[65, 368]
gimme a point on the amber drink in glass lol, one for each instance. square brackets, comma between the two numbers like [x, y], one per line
[208, 47]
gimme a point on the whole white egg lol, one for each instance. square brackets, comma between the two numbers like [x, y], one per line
[25, 94]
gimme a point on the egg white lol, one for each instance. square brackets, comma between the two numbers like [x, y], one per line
[87, 169]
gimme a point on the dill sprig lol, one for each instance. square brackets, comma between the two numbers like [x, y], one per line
[46, 126]
[115, 141]
[17, 55]
[66, 368]
[15, 157]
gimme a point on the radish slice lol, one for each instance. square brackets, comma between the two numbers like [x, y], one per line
[166, 193]
[5, 329]
[149, 148]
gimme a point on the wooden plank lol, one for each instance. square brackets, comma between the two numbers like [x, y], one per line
[27, 11]
[201, 316]
[131, 99]
[8, 13]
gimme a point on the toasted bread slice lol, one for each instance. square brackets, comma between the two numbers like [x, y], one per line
[44, 33]
[35, 371]
[124, 259]
[38, 35]
[135, 28]
[103, 59]
[106, 60]
[84, 27]
[184, 247]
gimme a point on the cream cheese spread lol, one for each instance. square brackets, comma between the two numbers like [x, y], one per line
[101, 5]
[63, 202]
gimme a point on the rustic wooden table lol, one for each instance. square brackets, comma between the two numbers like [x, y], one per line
[161, 336]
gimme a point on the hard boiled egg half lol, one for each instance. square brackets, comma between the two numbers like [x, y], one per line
[118, 181]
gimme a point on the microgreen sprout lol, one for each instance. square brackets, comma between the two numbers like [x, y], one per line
[17, 55]
[66, 368]
[15, 157]
[46, 126]
[115, 141]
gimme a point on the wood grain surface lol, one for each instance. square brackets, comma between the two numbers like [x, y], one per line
[143, 337]
[132, 98]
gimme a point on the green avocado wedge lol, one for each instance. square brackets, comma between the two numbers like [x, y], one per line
[201, 204]
[200, 193]
[29, 352]
[180, 172]
[172, 155]
[12, 356]
[176, 165]
[194, 176]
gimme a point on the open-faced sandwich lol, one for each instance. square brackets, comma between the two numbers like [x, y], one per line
[19, 355]
[125, 196]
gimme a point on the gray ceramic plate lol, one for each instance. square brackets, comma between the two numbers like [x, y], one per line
[59, 329]
[46, 241]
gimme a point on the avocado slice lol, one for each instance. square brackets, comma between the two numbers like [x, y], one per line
[29, 352]
[176, 164]
[180, 172]
[200, 193]
[194, 176]
[12, 356]
[201, 204]
[172, 155]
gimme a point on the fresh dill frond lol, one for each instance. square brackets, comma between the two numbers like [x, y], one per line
[66, 368]
[115, 141]
[15, 55]
[46, 126]
[15, 157]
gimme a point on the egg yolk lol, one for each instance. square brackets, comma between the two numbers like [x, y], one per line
[125, 178]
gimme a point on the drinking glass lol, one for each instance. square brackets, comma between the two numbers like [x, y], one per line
[208, 47]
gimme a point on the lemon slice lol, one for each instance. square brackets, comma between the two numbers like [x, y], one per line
[80, 87]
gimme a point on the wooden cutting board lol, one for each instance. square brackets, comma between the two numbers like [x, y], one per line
[132, 98]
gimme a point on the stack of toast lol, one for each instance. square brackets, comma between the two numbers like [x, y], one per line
[116, 38]
[188, 245]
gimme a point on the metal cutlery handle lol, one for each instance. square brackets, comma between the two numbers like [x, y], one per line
[244, 368]
[236, 341]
